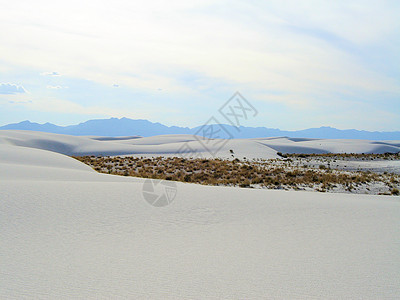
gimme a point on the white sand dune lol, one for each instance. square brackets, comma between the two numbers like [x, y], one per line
[289, 145]
[173, 145]
[67, 232]
[32, 164]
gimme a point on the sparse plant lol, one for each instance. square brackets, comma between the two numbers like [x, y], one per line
[274, 173]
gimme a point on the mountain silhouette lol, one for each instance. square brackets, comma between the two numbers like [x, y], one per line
[129, 127]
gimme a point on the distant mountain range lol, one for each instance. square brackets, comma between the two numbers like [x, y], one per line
[129, 127]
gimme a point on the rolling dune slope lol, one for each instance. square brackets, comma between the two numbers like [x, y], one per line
[175, 145]
[67, 232]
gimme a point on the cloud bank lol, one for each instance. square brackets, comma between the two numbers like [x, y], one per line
[11, 89]
[303, 64]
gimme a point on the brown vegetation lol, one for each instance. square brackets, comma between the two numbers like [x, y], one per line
[273, 174]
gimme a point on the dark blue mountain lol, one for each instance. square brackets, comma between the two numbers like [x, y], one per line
[129, 127]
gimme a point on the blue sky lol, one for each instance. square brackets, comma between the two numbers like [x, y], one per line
[300, 63]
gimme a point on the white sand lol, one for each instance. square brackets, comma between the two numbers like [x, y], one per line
[173, 144]
[73, 233]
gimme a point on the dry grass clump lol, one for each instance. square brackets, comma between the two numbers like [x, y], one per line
[344, 156]
[273, 174]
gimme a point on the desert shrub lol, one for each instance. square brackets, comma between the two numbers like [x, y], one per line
[281, 154]
[274, 173]
[245, 183]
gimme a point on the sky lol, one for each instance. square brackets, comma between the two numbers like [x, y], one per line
[301, 64]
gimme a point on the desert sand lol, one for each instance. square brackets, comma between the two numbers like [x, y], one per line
[69, 232]
[175, 144]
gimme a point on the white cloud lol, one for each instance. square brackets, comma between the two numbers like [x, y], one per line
[55, 105]
[55, 74]
[56, 87]
[155, 35]
[11, 89]
[308, 49]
